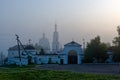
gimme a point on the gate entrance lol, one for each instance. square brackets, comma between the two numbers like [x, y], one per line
[72, 57]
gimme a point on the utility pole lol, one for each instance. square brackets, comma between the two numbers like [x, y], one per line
[83, 46]
[17, 38]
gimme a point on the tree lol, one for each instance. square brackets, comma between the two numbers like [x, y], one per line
[96, 51]
[42, 51]
[49, 61]
[116, 42]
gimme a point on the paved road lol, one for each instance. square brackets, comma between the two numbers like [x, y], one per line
[84, 68]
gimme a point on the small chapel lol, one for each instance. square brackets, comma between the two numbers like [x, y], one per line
[40, 53]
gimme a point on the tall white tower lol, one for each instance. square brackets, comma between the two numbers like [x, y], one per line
[55, 44]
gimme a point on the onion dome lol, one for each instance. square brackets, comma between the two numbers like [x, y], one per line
[44, 43]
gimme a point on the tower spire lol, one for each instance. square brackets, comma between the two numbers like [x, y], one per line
[55, 44]
[43, 35]
[55, 27]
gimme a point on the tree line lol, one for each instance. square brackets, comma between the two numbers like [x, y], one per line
[97, 51]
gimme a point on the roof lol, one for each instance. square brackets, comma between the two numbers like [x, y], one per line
[16, 47]
[73, 43]
[50, 54]
[111, 49]
[29, 47]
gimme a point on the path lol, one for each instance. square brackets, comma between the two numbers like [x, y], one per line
[84, 68]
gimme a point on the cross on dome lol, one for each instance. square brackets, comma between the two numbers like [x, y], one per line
[29, 41]
[55, 27]
[43, 35]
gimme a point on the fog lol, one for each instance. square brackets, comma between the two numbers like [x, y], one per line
[76, 19]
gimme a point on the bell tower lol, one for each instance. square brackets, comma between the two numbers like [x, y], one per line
[55, 43]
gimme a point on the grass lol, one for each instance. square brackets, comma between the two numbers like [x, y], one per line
[31, 74]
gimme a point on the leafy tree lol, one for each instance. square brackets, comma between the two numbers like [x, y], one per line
[49, 61]
[95, 51]
[116, 42]
[42, 51]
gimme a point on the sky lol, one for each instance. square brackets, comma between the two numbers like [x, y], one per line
[76, 20]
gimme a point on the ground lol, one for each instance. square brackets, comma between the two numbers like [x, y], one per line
[83, 68]
[61, 72]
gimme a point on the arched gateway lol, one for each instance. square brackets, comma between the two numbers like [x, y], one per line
[72, 53]
[72, 57]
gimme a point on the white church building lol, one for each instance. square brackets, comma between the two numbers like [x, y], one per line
[41, 54]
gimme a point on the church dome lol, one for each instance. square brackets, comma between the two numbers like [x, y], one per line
[44, 43]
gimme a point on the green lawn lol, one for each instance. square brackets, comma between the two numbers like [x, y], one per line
[30, 74]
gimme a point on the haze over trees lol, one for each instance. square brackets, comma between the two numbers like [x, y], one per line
[116, 42]
[96, 51]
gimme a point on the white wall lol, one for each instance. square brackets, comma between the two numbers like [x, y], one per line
[13, 57]
[67, 49]
[44, 59]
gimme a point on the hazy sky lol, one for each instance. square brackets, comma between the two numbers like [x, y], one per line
[76, 19]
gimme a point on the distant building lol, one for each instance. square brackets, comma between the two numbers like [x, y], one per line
[110, 54]
[71, 54]
[15, 58]
[41, 54]
[13, 55]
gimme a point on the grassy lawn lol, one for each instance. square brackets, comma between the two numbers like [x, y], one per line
[30, 74]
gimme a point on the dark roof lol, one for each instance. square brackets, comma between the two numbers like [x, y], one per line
[29, 47]
[112, 48]
[50, 54]
[16, 47]
[38, 47]
[73, 43]
[26, 47]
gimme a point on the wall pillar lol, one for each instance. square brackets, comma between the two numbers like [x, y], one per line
[79, 59]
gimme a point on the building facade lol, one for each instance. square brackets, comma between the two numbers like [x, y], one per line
[14, 57]
[41, 54]
[71, 54]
